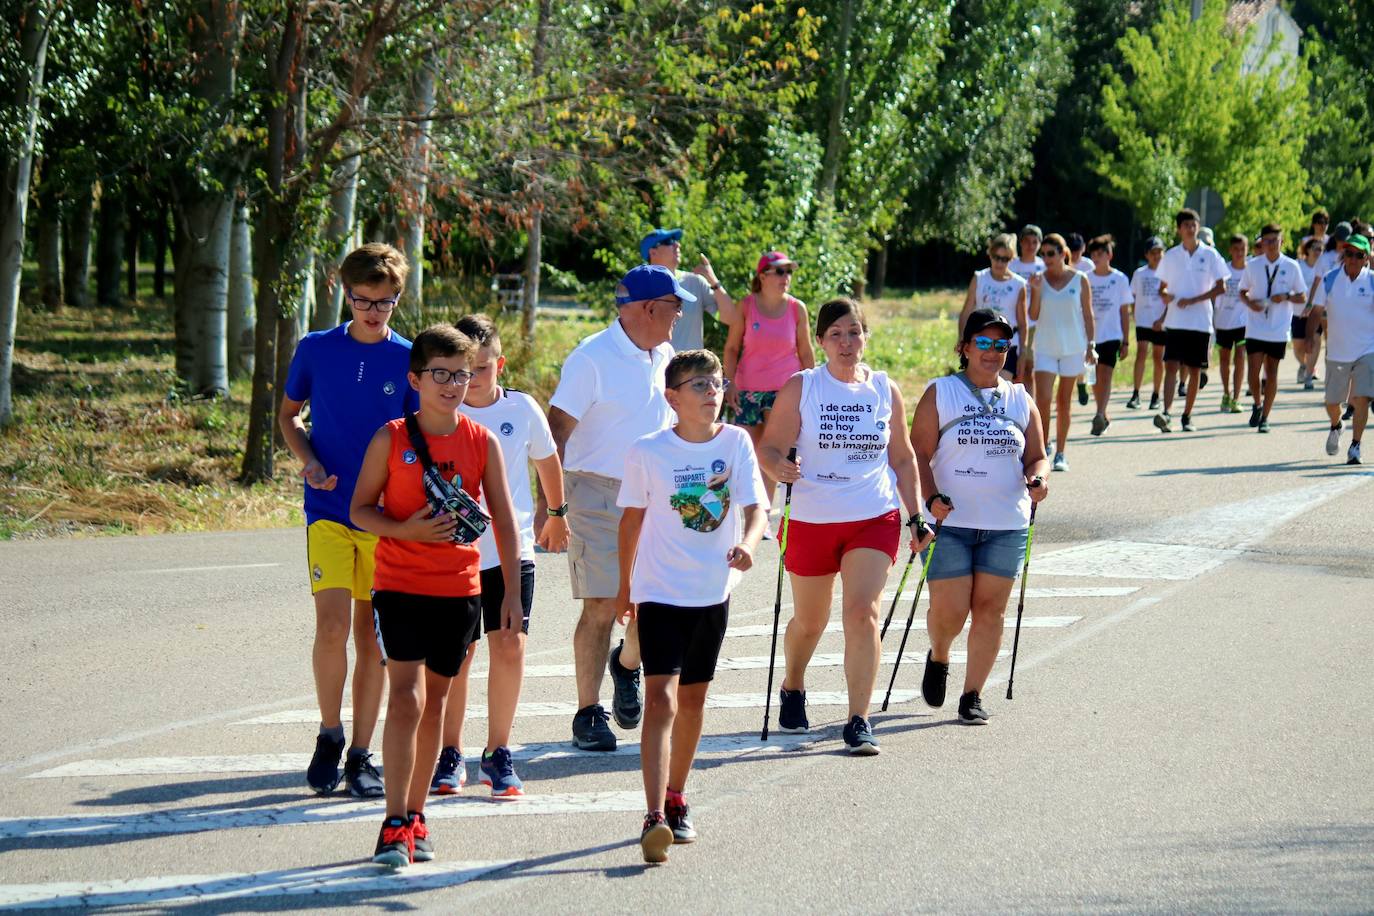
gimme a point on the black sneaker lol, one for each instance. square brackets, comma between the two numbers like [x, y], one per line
[933, 682]
[971, 709]
[792, 710]
[1202, 380]
[419, 835]
[323, 773]
[362, 777]
[1187, 422]
[1082, 394]
[1134, 402]
[678, 814]
[1163, 421]
[858, 738]
[1349, 412]
[655, 838]
[1255, 413]
[592, 730]
[1154, 401]
[1100, 424]
[628, 703]
[395, 843]
[1182, 389]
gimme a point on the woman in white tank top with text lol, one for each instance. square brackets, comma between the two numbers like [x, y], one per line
[981, 455]
[850, 479]
[1062, 306]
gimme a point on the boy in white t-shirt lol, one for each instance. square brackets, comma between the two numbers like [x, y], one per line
[682, 550]
[1149, 322]
[1112, 300]
[522, 431]
[1272, 285]
[1229, 322]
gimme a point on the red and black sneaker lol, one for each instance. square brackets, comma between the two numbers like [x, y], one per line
[395, 843]
[422, 845]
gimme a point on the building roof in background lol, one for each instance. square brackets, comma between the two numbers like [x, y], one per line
[1244, 13]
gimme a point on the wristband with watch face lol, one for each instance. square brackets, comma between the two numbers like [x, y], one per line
[919, 523]
[560, 512]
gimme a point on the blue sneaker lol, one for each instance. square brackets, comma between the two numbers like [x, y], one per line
[496, 771]
[858, 737]
[450, 773]
[792, 710]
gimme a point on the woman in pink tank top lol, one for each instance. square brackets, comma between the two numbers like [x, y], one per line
[772, 331]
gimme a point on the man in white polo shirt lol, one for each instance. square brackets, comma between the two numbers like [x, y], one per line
[1346, 297]
[1271, 286]
[610, 394]
[664, 248]
[1191, 275]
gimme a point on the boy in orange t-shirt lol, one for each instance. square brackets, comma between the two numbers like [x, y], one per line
[427, 597]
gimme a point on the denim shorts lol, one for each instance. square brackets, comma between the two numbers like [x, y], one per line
[965, 551]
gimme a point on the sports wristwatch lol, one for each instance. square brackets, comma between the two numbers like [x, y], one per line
[560, 512]
[919, 523]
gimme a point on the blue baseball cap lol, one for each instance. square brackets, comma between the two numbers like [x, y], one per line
[649, 281]
[656, 238]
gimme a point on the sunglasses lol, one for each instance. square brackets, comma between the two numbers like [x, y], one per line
[991, 343]
[1050, 253]
[1000, 258]
[448, 376]
[704, 383]
[363, 304]
[781, 271]
[1355, 254]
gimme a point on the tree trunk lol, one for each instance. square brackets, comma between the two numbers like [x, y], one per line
[16, 168]
[160, 253]
[880, 269]
[76, 248]
[338, 238]
[860, 284]
[109, 249]
[839, 100]
[412, 215]
[131, 245]
[240, 331]
[49, 247]
[304, 269]
[535, 253]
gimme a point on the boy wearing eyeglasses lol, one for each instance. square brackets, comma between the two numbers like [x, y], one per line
[354, 379]
[427, 600]
[683, 549]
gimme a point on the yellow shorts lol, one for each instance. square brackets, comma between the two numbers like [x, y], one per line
[340, 557]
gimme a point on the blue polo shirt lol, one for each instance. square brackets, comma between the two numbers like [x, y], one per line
[354, 389]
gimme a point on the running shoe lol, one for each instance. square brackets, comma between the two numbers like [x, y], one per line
[858, 738]
[1164, 423]
[1263, 425]
[419, 833]
[1333, 440]
[678, 814]
[1310, 384]
[1082, 394]
[364, 781]
[1235, 405]
[323, 773]
[1225, 403]
[1187, 422]
[1349, 412]
[1182, 389]
[971, 709]
[1060, 462]
[933, 682]
[592, 730]
[628, 702]
[395, 843]
[792, 710]
[1154, 401]
[1302, 373]
[655, 838]
[1100, 424]
[1202, 380]
[450, 773]
[1352, 456]
[1134, 402]
[498, 772]
[1255, 414]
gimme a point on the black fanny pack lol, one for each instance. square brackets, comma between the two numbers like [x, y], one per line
[447, 495]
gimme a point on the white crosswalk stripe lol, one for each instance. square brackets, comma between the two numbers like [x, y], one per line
[898, 621]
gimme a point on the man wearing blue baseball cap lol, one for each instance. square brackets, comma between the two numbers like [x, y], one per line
[610, 393]
[663, 248]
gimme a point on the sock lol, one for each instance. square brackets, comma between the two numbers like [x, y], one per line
[1135, 392]
[1354, 441]
[357, 752]
[1336, 425]
[675, 796]
[335, 734]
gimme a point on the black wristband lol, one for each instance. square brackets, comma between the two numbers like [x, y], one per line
[559, 512]
[934, 496]
[919, 523]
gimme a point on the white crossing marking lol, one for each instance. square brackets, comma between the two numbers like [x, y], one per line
[1076, 591]
[713, 701]
[749, 663]
[898, 621]
[1132, 560]
[291, 882]
[186, 569]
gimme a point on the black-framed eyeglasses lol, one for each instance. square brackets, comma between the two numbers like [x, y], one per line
[1050, 253]
[363, 304]
[992, 343]
[677, 303]
[781, 271]
[702, 384]
[1000, 258]
[443, 376]
[1355, 254]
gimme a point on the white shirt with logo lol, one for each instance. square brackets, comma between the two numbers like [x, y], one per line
[1025, 270]
[614, 390]
[1185, 276]
[998, 295]
[842, 448]
[1149, 308]
[1349, 308]
[978, 459]
[522, 431]
[1265, 278]
[693, 494]
[1110, 293]
[1230, 311]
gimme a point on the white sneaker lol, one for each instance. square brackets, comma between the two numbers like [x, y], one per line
[1062, 464]
[1333, 440]
[1353, 455]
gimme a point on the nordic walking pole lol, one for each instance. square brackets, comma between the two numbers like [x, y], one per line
[1021, 605]
[925, 569]
[897, 597]
[777, 602]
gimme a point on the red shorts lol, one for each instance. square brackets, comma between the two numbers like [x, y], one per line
[815, 549]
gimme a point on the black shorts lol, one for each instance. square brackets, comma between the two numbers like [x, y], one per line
[427, 628]
[1144, 335]
[1108, 351]
[1011, 361]
[1191, 348]
[1276, 349]
[682, 640]
[1230, 338]
[1299, 327]
[494, 593]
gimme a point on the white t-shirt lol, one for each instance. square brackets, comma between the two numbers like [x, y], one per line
[522, 431]
[1185, 276]
[1265, 278]
[1230, 311]
[1149, 308]
[978, 461]
[1025, 270]
[998, 295]
[1110, 293]
[1328, 261]
[842, 448]
[693, 493]
[688, 333]
[614, 390]
[1349, 308]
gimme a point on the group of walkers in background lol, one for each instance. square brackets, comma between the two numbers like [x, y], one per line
[422, 520]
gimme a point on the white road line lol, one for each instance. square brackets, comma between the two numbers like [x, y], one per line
[293, 882]
[1034, 623]
[749, 700]
[710, 746]
[753, 662]
[1131, 560]
[187, 569]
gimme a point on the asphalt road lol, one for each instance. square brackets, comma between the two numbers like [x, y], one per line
[1190, 730]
